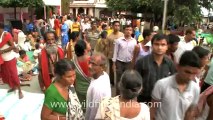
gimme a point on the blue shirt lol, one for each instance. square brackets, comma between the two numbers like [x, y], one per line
[29, 27]
[64, 34]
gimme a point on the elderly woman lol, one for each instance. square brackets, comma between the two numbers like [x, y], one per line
[81, 62]
[125, 106]
[61, 101]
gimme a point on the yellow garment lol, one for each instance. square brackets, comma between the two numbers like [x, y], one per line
[98, 46]
[27, 66]
[70, 50]
[109, 31]
[140, 38]
[75, 27]
[194, 43]
[58, 32]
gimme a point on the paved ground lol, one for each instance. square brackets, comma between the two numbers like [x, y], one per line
[29, 107]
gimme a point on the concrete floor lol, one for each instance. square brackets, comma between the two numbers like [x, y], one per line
[29, 107]
[34, 86]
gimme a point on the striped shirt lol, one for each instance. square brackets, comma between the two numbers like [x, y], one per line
[123, 50]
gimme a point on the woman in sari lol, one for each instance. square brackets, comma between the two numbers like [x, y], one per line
[57, 27]
[81, 62]
[74, 37]
[125, 106]
[61, 101]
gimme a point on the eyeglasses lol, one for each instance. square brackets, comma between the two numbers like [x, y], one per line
[93, 64]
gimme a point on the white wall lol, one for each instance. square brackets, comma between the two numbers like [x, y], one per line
[7, 14]
[88, 1]
[100, 1]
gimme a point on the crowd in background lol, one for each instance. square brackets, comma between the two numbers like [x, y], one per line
[79, 60]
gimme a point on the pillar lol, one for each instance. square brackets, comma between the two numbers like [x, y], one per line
[97, 12]
[76, 11]
[85, 11]
[91, 11]
[71, 10]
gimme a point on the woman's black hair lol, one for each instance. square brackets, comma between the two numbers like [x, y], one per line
[80, 48]
[103, 34]
[22, 52]
[201, 52]
[62, 66]
[37, 46]
[74, 35]
[130, 84]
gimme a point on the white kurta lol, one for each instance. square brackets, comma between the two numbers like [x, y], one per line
[98, 89]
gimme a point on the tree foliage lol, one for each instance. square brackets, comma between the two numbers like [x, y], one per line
[122, 5]
[182, 11]
[21, 3]
[65, 6]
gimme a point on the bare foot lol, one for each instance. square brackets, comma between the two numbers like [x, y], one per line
[11, 90]
[20, 95]
[25, 84]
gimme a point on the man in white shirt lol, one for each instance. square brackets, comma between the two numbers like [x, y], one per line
[123, 54]
[185, 44]
[51, 21]
[99, 86]
[85, 25]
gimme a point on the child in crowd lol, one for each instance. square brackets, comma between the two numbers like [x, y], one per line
[41, 44]
[35, 55]
[31, 40]
[24, 66]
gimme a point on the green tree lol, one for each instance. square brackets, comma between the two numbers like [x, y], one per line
[122, 5]
[21, 3]
[181, 11]
[65, 6]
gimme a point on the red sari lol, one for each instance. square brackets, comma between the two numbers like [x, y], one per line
[57, 27]
[85, 67]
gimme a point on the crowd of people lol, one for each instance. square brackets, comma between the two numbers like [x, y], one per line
[79, 61]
